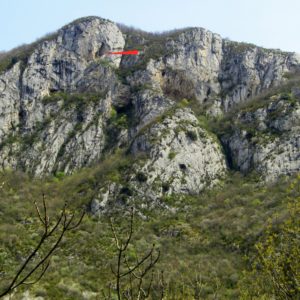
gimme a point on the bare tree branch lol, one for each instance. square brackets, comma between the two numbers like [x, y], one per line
[41, 275]
[135, 273]
[65, 221]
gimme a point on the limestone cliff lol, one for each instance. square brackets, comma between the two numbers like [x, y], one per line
[68, 104]
[265, 137]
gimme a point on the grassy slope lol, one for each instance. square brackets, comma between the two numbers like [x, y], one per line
[206, 238]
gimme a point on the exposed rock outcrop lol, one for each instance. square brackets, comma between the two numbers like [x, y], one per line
[267, 139]
[218, 73]
[68, 103]
[183, 157]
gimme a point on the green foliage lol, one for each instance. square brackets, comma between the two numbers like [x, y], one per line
[286, 96]
[10, 139]
[203, 244]
[172, 155]
[239, 47]
[276, 267]
[121, 121]
[256, 202]
[113, 113]
[74, 101]
[184, 102]
[122, 117]
[59, 175]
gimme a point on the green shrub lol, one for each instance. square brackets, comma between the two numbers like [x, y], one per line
[59, 175]
[276, 267]
[205, 241]
[286, 96]
[78, 101]
[113, 113]
[184, 102]
[256, 202]
[121, 121]
[171, 155]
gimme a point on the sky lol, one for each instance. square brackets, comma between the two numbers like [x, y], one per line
[267, 23]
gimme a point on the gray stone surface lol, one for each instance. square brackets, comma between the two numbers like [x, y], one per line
[44, 137]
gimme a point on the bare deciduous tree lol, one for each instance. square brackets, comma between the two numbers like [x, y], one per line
[134, 273]
[64, 223]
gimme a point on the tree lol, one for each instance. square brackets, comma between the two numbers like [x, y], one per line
[130, 275]
[276, 268]
[57, 229]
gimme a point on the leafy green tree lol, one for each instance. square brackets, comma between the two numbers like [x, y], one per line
[276, 268]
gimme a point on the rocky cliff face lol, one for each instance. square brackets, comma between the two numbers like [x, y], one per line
[69, 104]
[183, 157]
[66, 64]
[265, 138]
[218, 73]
